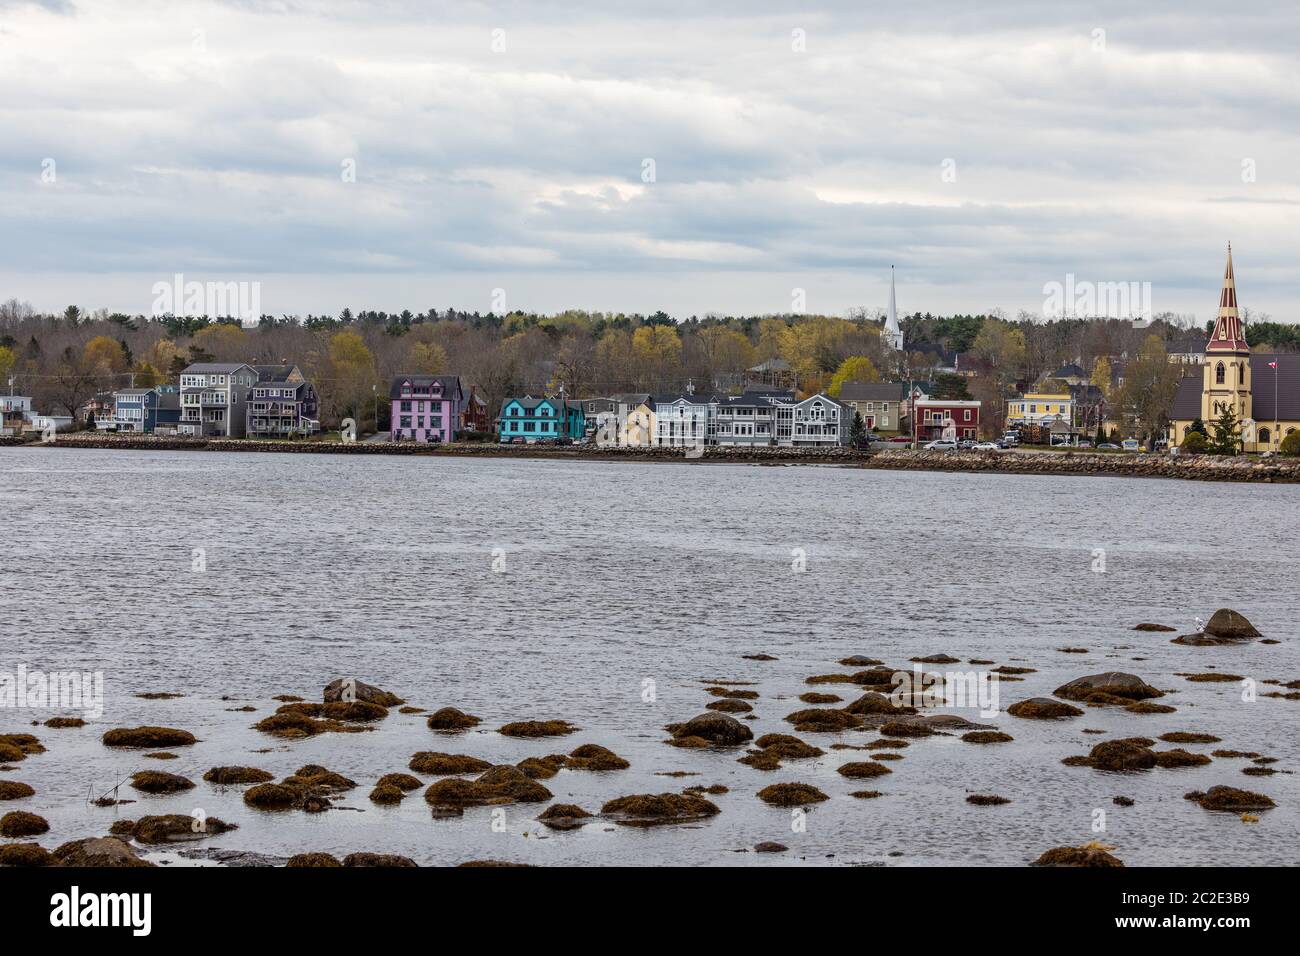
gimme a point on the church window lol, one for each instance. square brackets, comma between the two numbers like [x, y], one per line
[1264, 436]
[1218, 374]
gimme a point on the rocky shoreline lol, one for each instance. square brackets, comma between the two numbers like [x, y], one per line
[1189, 467]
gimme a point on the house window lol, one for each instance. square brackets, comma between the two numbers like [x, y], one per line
[967, 415]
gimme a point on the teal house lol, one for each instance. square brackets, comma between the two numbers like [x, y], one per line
[538, 419]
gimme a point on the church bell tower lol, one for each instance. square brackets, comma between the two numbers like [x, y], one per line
[1227, 358]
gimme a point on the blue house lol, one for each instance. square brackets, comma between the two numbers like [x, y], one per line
[145, 409]
[538, 419]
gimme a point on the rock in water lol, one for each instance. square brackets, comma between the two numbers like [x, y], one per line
[1226, 627]
[1109, 684]
[713, 727]
[98, 851]
[349, 689]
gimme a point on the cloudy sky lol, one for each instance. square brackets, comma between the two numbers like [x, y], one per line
[635, 156]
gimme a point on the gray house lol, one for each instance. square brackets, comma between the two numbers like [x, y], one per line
[214, 397]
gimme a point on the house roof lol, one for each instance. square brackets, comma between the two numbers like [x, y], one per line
[450, 383]
[274, 373]
[772, 365]
[1187, 400]
[206, 368]
[872, 392]
[169, 401]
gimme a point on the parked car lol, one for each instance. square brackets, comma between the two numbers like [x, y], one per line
[1131, 444]
[966, 444]
[1011, 439]
[988, 446]
[1107, 446]
[519, 440]
[941, 444]
[563, 441]
[1085, 444]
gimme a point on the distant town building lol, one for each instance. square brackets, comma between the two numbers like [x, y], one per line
[540, 419]
[879, 403]
[15, 413]
[1262, 391]
[941, 418]
[425, 408]
[282, 403]
[1040, 408]
[144, 410]
[213, 398]
[475, 415]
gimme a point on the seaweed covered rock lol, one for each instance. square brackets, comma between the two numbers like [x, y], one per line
[499, 784]
[386, 860]
[770, 846]
[717, 729]
[823, 720]
[595, 757]
[386, 795]
[156, 781]
[986, 800]
[14, 790]
[873, 702]
[451, 719]
[1118, 756]
[16, 747]
[1105, 688]
[729, 706]
[231, 776]
[20, 823]
[1043, 708]
[273, 796]
[65, 723]
[1090, 854]
[178, 828]
[108, 852]
[791, 794]
[787, 747]
[149, 737]
[25, 855]
[441, 764]
[1157, 628]
[650, 809]
[564, 816]
[402, 781]
[862, 770]
[538, 728]
[1178, 757]
[1230, 799]
[347, 689]
[986, 737]
[306, 860]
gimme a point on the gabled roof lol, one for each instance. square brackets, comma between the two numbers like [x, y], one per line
[872, 391]
[274, 373]
[1069, 370]
[450, 384]
[215, 368]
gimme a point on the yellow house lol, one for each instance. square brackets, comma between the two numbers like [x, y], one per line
[1040, 408]
[1263, 391]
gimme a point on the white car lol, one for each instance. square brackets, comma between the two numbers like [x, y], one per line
[987, 446]
[941, 444]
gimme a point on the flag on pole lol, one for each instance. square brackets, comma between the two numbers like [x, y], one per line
[1272, 365]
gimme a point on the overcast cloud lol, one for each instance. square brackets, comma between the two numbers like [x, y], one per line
[210, 139]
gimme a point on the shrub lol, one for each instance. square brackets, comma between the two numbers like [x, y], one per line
[1195, 443]
[1291, 444]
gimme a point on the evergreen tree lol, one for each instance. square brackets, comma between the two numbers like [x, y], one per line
[1226, 439]
[858, 429]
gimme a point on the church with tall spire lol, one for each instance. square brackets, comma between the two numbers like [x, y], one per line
[892, 333]
[1263, 391]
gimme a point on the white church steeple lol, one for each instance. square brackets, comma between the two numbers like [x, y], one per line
[892, 335]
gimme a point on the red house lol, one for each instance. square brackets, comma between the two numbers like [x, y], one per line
[474, 415]
[935, 415]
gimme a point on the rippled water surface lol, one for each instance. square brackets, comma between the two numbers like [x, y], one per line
[618, 574]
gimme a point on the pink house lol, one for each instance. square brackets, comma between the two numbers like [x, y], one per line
[425, 408]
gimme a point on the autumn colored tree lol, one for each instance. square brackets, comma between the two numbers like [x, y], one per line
[855, 368]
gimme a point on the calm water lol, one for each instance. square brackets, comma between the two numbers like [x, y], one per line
[615, 574]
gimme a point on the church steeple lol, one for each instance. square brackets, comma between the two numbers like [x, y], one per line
[893, 334]
[1228, 335]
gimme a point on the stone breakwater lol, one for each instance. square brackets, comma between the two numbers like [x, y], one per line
[1191, 467]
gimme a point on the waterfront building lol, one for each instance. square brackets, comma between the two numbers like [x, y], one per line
[540, 419]
[1263, 391]
[685, 419]
[946, 418]
[146, 410]
[214, 396]
[425, 408]
[1040, 408]
[283, 403]
[15, 412]
[879, 403]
